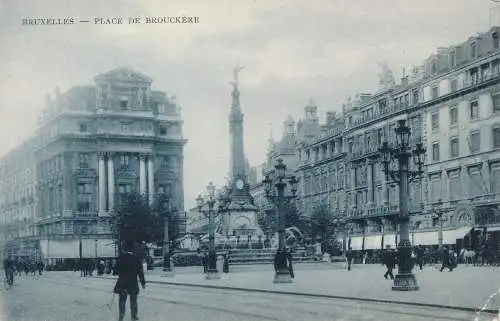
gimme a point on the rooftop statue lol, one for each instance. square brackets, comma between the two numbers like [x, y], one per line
[386, 77]
[236, 71]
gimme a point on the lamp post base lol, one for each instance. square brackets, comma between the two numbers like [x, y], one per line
[212, 274]
[169, 272]
[282, 276]
[405, 282]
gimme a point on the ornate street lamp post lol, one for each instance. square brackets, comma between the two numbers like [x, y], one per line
[405, 280]
[165, 203]
[211, 212]
[279, 199]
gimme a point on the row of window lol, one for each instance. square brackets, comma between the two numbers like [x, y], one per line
[84, 160]
[473, 113]
[473, 53]
[477, 184]
[125, 128]
[473, 143]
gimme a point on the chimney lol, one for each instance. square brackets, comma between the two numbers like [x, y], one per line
[404, 78]
[330, 117]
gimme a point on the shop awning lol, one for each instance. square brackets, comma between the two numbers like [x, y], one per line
[493, 229]
[390, 239]
[92, 248]
[63, 249]
[373, 242]
[66, 249]
[451, 236]
[425, 238]
[356, 242]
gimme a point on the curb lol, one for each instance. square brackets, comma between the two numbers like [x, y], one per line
[327, 296]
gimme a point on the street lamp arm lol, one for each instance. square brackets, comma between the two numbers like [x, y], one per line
[394, 176]
[414, 175]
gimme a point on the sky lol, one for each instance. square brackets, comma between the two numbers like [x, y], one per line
[293, 51]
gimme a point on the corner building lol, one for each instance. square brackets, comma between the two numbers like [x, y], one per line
[96, 144]
[461, 102]
[450, 104]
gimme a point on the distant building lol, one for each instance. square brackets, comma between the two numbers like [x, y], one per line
[95, 144]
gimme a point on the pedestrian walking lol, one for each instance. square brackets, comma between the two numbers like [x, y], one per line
[389, 260]
[348, 257]
[129, 271]
[40, 266]
[448, 260]
[419, 256]
[289, 259]
[225, 267]
[204, 261]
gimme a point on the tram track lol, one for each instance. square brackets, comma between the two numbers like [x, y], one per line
[254, 301]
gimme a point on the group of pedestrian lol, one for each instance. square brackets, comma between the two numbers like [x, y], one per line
[205, 258]
[27, 265]
[100, 266]
[450, 259]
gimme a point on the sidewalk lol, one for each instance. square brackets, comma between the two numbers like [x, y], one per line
[465, 287]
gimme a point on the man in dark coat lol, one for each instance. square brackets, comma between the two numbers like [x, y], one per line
[129, 269]
[349, 256]
[445, 259]
[419, 253]
[389, 260]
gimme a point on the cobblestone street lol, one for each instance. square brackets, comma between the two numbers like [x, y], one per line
[67, 296]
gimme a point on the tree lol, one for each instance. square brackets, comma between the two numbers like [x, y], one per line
[293, 217]
[163, 210]
[137, 221]
[322, 225]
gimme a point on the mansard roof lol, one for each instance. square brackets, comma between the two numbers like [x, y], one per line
[124, 74]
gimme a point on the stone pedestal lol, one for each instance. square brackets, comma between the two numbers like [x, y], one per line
[212, 275]
[405, 282]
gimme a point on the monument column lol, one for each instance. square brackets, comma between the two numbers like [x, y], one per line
[142, 174]
[111, 183]
[151, 182]
[102, 183]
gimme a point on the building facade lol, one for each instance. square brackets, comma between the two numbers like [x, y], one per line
[96, 144]
[451, 104]
[18, 201]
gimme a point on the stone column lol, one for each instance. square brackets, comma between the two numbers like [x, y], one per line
[444, 187]
[485, 173]
[369, 180]
[111, 183]
[142, 174]
[68, 184]
[151, 181]
[353, 184]
[385, 189]
[102, 183]
[464, 178]
[329, 149]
